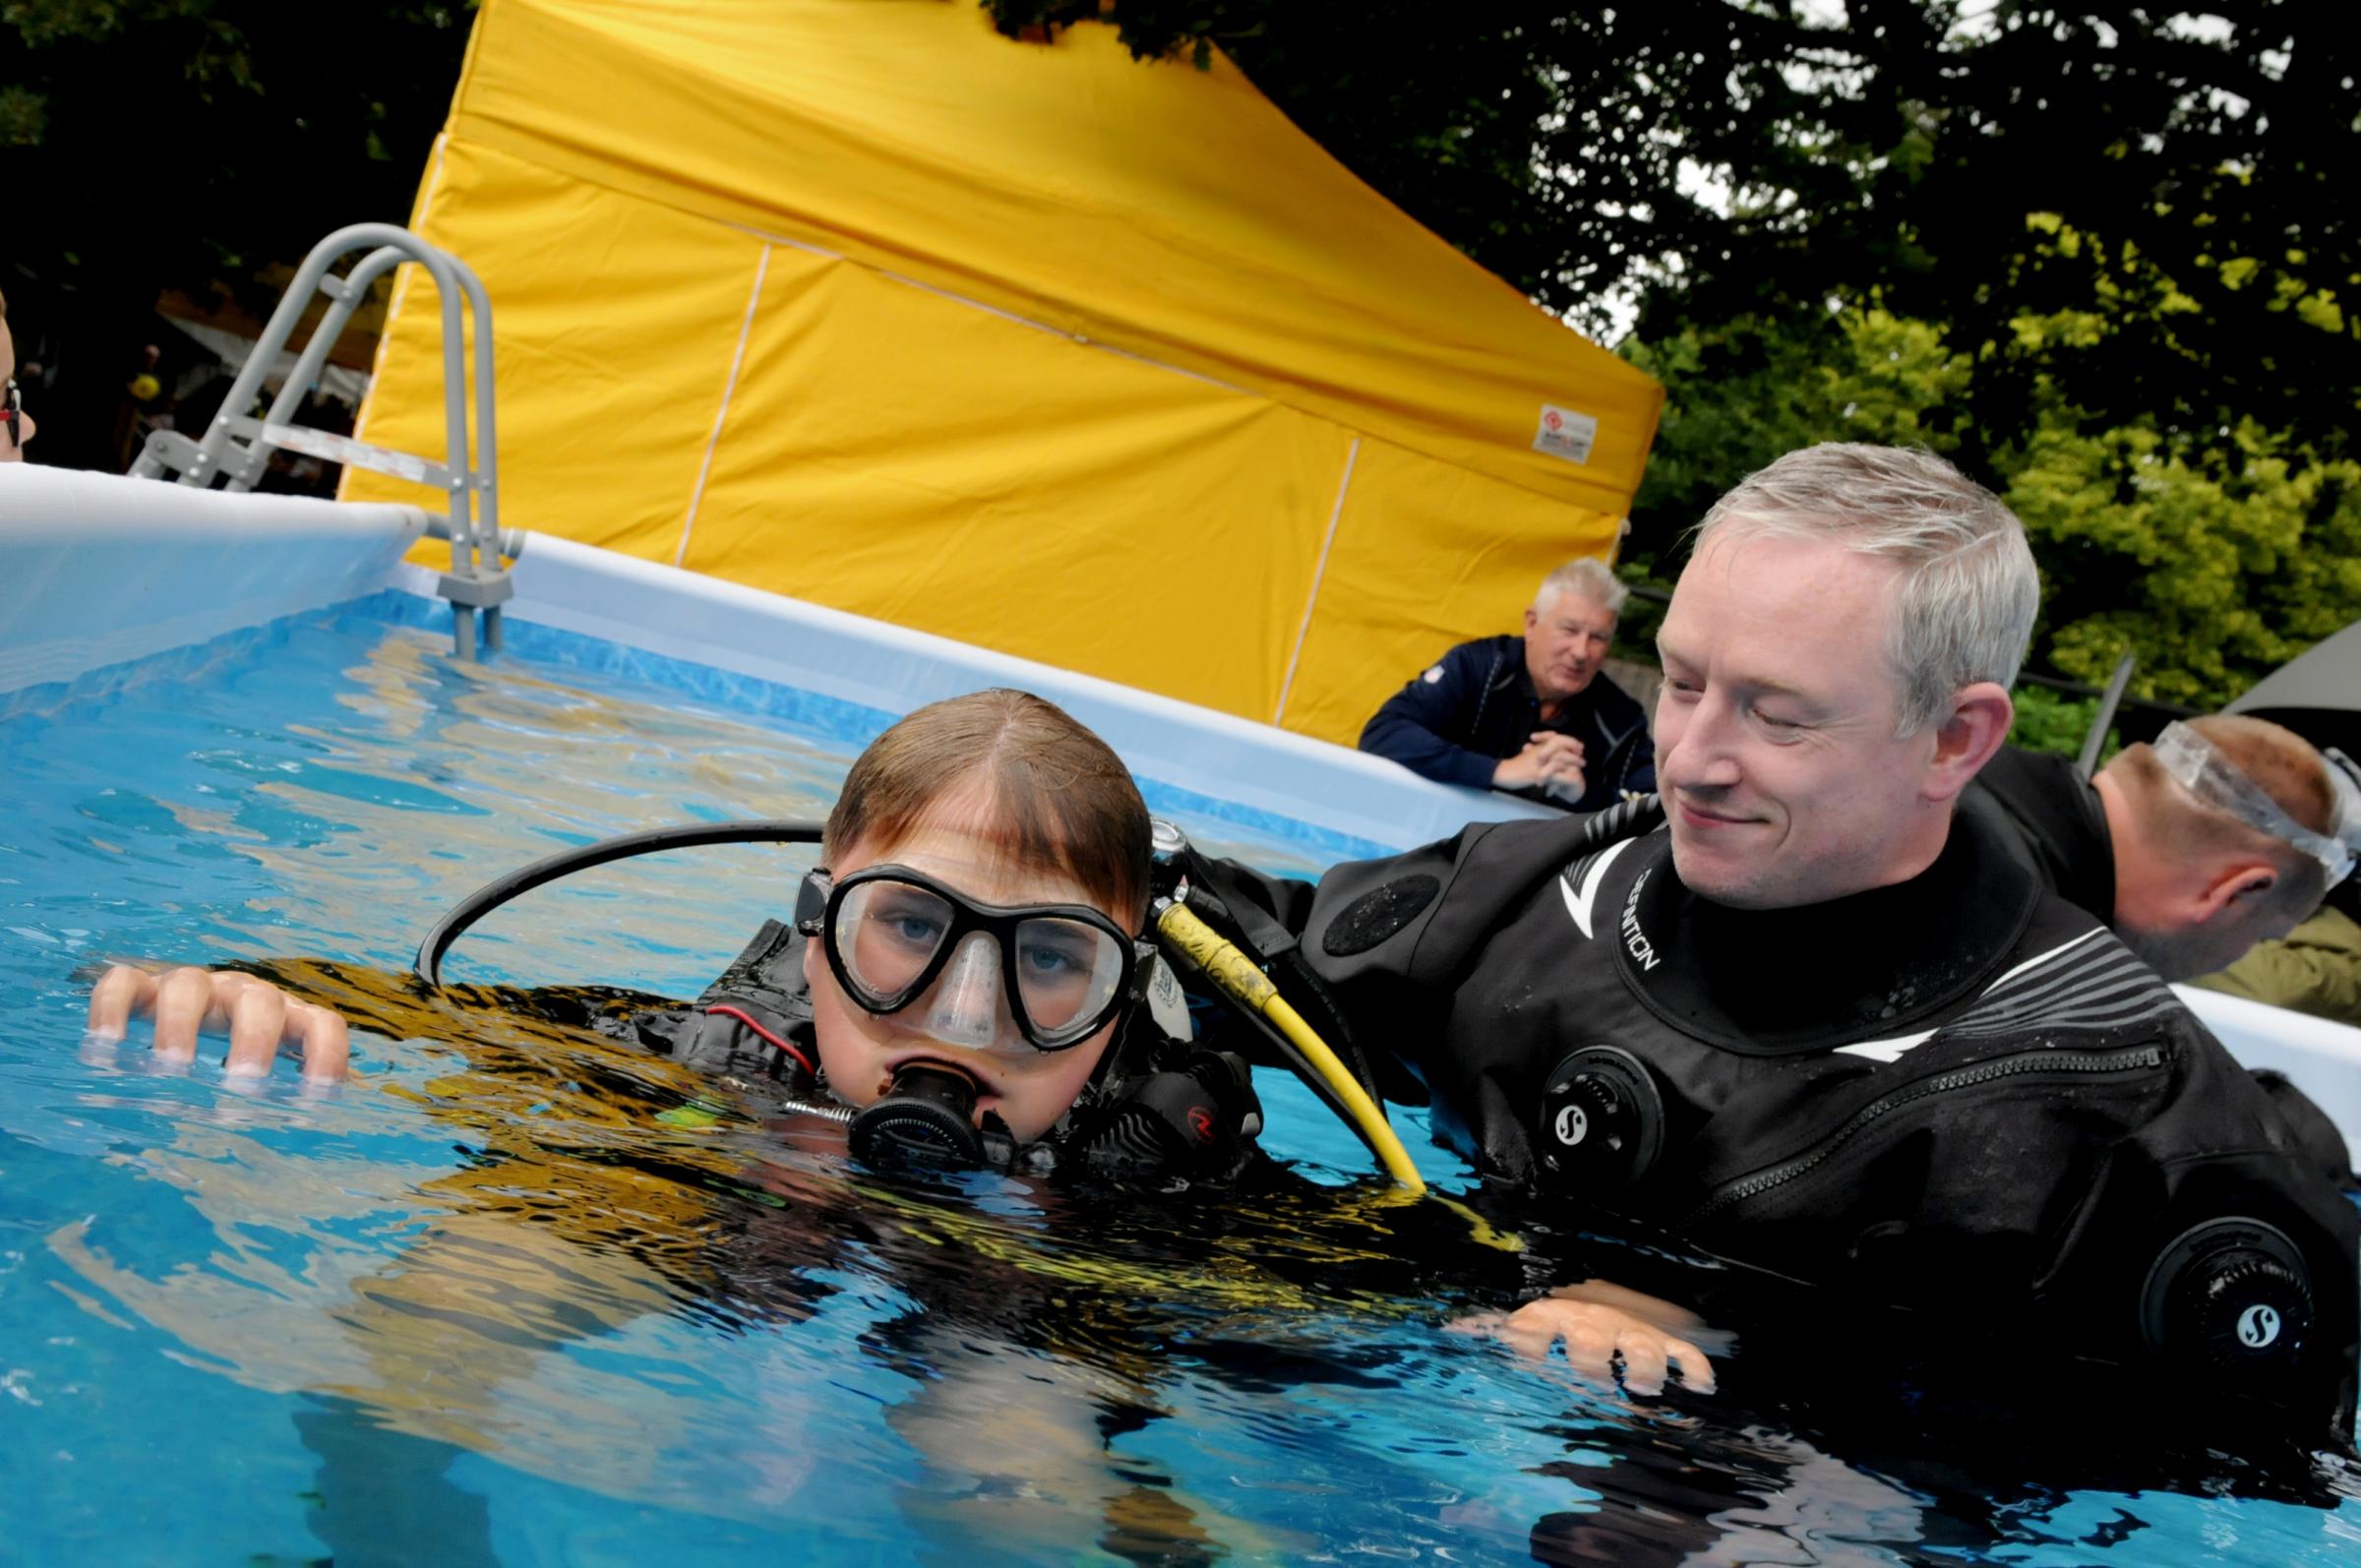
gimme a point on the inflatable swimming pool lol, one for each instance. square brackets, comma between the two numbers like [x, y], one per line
[480, 1306]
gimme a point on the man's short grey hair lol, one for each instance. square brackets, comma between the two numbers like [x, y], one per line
[1586, 579]
[1964, 606]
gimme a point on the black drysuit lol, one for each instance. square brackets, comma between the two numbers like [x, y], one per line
[1959, 1093]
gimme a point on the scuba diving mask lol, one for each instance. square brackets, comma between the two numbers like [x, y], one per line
[2200, 768]
[891, 933]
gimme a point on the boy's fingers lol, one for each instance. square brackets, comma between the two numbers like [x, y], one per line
[183, 1000]
[258, 1016]
[258, 1022]
[121, 991]
[326, 1043]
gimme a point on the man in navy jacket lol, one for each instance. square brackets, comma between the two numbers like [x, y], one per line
[1531, 714]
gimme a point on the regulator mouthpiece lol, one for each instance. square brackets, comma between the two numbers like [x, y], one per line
[927, 1117]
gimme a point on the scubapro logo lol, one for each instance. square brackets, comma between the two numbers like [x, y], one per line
[1572, 1127]
[2258, 1327]
[1635, 940]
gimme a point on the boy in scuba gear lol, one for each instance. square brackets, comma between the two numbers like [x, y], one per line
[960, 981]
[965, 967]
[961, 977]
[1800, 1012]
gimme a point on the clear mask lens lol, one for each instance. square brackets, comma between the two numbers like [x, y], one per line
[1066, 972]
[886, 934]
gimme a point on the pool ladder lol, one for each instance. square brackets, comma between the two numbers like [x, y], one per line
[237, 447]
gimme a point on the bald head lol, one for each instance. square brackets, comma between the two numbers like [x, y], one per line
[2195, 884]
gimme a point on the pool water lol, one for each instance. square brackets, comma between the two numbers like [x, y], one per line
[480, 1306]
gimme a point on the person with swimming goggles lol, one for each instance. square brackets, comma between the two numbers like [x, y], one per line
[967, 960]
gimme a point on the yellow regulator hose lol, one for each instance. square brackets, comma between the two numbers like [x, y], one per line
[1231, 969]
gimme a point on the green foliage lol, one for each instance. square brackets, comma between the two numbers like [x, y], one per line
[2210, 546]
[1741, 392]
[2053, 722]
[2214, 562]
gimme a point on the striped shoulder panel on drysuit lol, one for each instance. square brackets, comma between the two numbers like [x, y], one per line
[1605, 836]
[2092, 982]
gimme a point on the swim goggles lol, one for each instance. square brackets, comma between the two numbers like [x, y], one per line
[12, 412]
[2200, 768]
[890, 932]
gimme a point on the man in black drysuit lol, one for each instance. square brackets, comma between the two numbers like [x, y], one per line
[1798, 1012]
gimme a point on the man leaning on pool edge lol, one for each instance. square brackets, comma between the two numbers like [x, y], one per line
[1533, 713]
[1799, 1013]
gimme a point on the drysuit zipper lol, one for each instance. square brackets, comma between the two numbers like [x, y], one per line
[1753, 1184]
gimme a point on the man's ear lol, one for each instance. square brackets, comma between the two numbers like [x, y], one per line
[1965, 739]
[2233, 882]
[1532, 620]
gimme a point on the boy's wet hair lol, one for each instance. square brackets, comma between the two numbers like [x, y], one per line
[1061, 796]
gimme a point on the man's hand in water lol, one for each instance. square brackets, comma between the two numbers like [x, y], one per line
[257, 1015]
[1599, 1324]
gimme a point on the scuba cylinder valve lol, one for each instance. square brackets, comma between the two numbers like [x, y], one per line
[1223, 964]
[1180, 1119]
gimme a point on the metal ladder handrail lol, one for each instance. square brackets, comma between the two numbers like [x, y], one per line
[239, 447]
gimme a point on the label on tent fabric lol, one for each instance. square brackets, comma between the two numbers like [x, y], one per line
[1564, 433]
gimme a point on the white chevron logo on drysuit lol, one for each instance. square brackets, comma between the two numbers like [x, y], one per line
[1580, 899]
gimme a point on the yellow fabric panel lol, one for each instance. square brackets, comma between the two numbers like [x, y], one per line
[614, 323]
[903, 455]
[1171, 212]
[1424, 557]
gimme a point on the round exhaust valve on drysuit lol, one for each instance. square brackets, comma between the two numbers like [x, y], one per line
[1602, 1122]
[925, 1117]
[2231, 1294]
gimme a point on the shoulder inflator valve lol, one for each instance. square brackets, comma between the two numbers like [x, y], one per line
[1602, 1122]
[2232, 1296]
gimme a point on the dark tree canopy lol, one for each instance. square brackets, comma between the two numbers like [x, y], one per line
[184, 143]
[1712, 157]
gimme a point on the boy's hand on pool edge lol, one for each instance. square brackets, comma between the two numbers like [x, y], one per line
[1601, 1323]
[257, 1015]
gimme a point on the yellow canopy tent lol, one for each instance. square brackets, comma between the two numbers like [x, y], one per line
[1033, 345]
